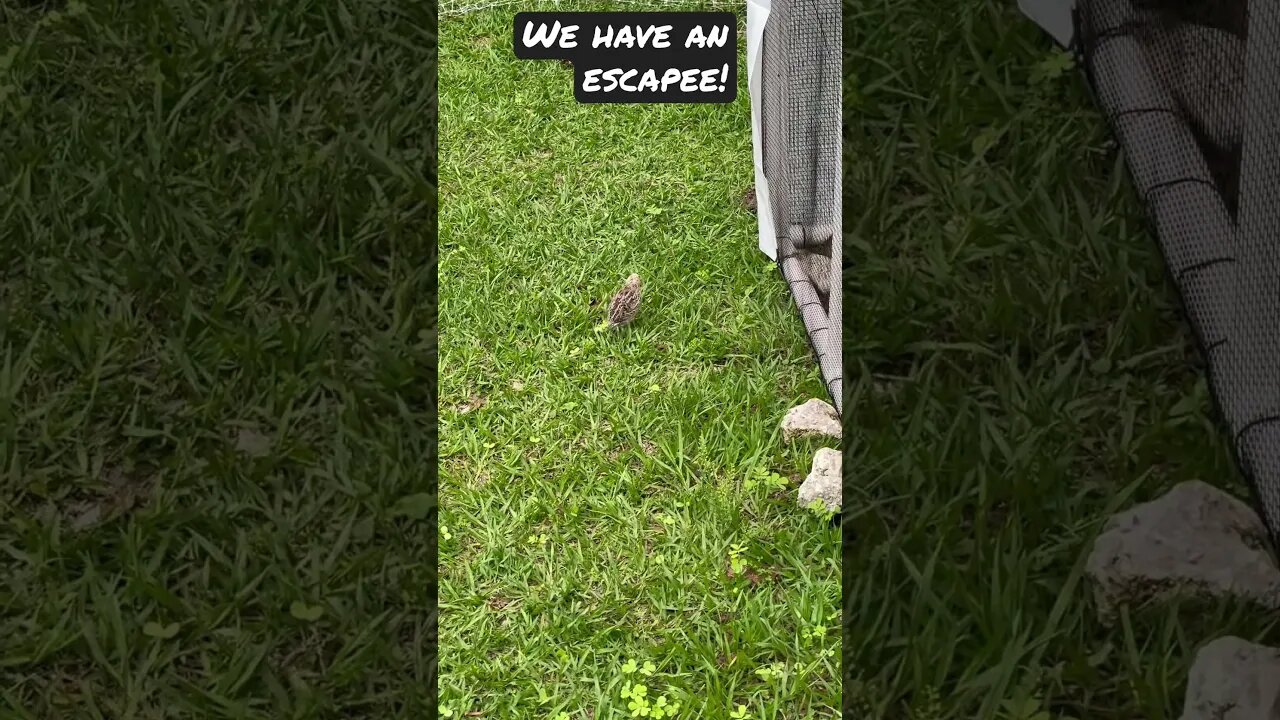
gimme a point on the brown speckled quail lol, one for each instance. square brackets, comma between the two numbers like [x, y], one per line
[625, 305]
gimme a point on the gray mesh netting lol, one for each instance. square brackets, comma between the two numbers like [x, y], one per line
[1192, 90]
[800, 88]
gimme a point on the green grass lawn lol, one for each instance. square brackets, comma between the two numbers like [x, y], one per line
[1005, 288]
[216, 360]
[615, 496]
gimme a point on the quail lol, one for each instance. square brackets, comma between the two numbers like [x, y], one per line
[818, 269]
[1205, 70]
[625, 305]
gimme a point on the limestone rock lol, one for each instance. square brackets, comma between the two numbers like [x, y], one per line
[823, 482]
[815, 418]
[1234, 679]
[1194, 541]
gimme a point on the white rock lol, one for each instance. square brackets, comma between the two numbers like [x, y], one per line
[1234, 679]
[823, 482]
[815, 418]
[1194, 541]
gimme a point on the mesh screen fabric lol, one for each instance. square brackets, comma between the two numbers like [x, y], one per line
[1192, 90]
[800, 87]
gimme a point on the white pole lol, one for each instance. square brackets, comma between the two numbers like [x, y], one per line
[757, 16]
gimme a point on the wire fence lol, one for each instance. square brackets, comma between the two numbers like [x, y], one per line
[800, 143]
[1191, 91]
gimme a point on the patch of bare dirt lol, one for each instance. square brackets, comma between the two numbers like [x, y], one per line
[120, 494]
[253, 443]
[473, 403]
